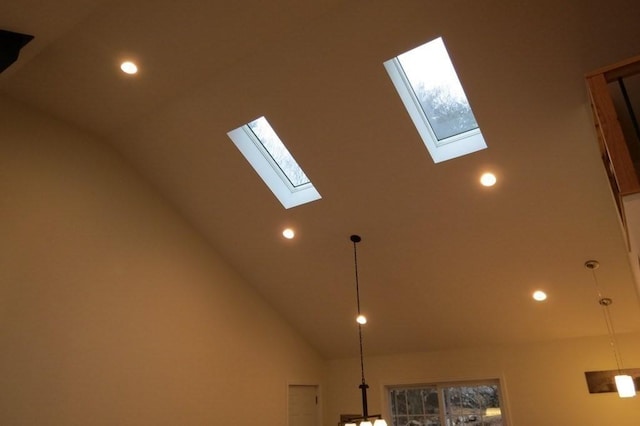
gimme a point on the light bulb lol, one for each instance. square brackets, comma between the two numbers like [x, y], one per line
[626, 387]
[539, 295]
[380, 422]
[365, 423]
[488, 179]
[361, 319]
[129, 67]
[288, 233]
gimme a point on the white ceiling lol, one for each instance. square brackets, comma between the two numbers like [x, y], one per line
[444, 262]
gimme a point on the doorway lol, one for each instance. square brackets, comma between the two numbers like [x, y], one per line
[303, 405]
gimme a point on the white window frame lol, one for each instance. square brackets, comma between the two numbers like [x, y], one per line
[440, 150]
[262, 162]
[440, 386]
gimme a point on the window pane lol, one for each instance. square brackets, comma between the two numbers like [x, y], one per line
[264, 151]
[415, 406]
[435, 83]
[430, 400]
[472, 405]
[278, 152]
[414, 401]
[399, 401]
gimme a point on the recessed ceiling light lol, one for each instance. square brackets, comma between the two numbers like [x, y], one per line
[488, 179]
[288, 233]
[539, 295]
[129, 67]
[361, 319]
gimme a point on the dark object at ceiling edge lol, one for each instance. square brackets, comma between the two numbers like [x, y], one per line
[10, 45]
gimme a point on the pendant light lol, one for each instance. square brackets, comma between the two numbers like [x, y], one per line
[624, 383]
[365, 419]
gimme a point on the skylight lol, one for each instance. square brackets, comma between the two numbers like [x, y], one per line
[264, 150]
[432, 94]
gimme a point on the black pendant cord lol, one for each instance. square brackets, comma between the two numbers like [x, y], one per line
[361, 357]
[356, 239]
[363, 386]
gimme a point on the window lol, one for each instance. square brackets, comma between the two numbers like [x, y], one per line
[450, 404]
[264, 150]
[433, 95]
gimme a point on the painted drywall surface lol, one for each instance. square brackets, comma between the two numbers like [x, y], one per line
[112, 309]
[542, 384]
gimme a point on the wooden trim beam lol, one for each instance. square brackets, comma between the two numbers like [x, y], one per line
[622, 69]
[611, 134]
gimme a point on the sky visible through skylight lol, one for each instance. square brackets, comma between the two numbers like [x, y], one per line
[278, 152]
[437, 87]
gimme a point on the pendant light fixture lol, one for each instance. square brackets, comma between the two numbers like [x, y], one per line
[365, 419]
[624, 383]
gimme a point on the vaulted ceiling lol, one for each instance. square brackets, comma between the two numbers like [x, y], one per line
[444, 262]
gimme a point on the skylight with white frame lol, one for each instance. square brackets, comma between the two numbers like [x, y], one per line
[435, 100]
[263, 149]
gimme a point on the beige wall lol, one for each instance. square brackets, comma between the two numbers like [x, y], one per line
[112, 310]
[543, 384]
